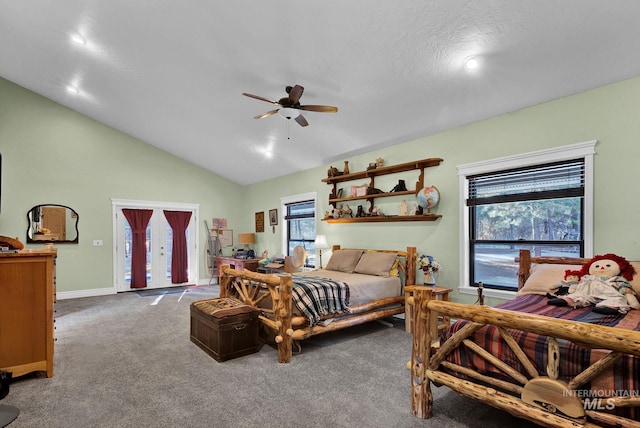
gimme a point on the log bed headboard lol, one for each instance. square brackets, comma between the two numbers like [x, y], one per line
[525, 260]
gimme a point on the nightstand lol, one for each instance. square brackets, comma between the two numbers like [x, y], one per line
[438, 293]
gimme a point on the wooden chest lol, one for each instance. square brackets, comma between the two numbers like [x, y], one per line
[224, 328]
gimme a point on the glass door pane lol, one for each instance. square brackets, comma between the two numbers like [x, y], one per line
[159, 248]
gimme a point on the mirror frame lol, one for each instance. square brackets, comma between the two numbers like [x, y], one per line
[30, 240]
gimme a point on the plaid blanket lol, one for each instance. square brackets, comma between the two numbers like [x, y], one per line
[622, 378]
[318, 297]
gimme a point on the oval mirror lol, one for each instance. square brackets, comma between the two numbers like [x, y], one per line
[52, 223]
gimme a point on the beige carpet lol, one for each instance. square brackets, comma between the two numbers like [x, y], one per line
[127, 361]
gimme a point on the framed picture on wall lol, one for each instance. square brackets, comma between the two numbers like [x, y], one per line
[260, 221]
[225, 236]
[273, 217]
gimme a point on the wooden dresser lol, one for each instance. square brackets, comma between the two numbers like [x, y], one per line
[27, 293]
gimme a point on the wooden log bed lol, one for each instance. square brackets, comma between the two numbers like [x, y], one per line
[272, 295]
[540, 385]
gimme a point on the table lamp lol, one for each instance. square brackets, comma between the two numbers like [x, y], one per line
[320, 244]
[246, 239]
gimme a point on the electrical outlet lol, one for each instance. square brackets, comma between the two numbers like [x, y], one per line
[98, 243]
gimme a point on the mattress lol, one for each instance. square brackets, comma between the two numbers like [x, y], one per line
[362, 288]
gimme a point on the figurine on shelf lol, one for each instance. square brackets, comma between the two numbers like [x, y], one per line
[379, 162]
[403, 208]
[377, 212]
[327, 215]
[346, 212]
[414, 209]
[332, 171]
[346, 168]
[372, 166]
[400, 187]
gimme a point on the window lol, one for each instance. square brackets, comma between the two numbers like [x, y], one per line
[540, 201]
[300, 223]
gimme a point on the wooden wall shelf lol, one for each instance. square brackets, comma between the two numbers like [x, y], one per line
[371, 174]
[373, 196]
[392, 169]
[383, 219]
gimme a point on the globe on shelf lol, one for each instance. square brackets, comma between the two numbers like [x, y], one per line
[428, 197]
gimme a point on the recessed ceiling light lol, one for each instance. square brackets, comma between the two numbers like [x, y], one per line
[471, 63]
[79, 39]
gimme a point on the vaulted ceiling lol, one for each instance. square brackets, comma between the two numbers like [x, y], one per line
[172, 73]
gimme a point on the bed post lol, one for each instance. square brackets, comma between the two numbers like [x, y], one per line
[524, 268]
[411, 260]
[283, 315]
[421, 397]
[224, 282]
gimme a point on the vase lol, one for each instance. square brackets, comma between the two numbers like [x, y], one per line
[429, 278]
[346, 168]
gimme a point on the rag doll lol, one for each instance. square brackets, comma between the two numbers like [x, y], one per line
[604, 282]
[567, 285]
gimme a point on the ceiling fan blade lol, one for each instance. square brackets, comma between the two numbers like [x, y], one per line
[295, 93]
[265, 114]
[257, 97]
[323, 109]
[301, 120]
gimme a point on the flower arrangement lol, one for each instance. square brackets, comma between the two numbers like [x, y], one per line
[428, 264]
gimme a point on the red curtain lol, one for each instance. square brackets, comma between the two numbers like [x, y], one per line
[179, 220]
[138, 220]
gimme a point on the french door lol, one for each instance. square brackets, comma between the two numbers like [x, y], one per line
[158, 243]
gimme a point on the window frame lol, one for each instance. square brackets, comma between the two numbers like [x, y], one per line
[585, 150]
[288, 200]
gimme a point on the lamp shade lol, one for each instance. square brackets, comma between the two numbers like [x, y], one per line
[321, 242]
[246, 238]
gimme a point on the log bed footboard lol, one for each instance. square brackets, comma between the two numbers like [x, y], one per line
[254, 288]
[544, 399]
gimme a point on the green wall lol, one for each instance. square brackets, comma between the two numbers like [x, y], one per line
[52, 154]
[607, 114]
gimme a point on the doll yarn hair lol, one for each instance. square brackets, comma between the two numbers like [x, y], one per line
[570, 272]
[626, 269]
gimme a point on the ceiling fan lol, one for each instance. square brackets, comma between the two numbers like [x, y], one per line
[290, 106]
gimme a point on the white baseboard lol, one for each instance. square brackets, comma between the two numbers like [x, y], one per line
[62, 295]
[93, 292]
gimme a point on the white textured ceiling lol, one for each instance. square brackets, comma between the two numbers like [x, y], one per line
[171, 73]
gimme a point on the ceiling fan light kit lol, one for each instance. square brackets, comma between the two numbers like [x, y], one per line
[288, 113]
[290, 106]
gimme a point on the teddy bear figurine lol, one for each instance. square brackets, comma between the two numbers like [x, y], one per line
[566, 286]
[604, 283]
